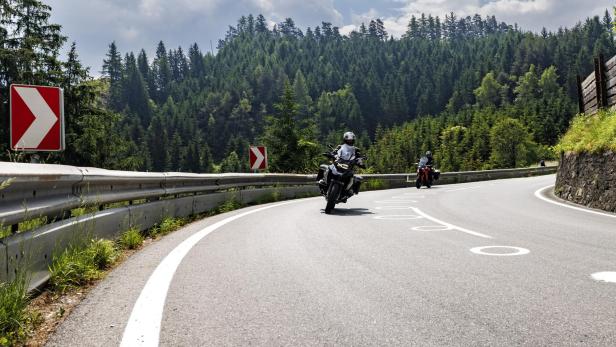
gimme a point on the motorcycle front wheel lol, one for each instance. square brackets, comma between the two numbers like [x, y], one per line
[418, 183]
[332, 196]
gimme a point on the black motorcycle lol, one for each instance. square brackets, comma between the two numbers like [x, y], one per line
[337, 181]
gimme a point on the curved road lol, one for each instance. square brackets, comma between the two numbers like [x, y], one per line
[392, 267]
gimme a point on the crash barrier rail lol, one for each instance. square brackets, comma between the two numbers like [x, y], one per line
[598, 90]
[119, 200]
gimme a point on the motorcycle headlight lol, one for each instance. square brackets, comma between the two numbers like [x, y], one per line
[343, 166]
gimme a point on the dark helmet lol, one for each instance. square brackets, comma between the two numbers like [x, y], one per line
[349, 138]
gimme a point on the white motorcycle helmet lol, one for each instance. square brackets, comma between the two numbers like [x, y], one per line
[349, 138]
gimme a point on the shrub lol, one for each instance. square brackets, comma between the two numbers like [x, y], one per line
[14, 318]
[374, 184]
[73, 267]
[131, 239]
[102, 253]
[228, 206]
[267, 198]
[166, 226]
[596, 133]
[77, 266]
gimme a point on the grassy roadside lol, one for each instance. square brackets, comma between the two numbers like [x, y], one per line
[26, 320]
[592, 134]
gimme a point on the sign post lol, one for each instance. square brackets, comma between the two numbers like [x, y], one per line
[37, 118]
[258, 158]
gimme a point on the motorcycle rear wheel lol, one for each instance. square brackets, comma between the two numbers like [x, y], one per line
[332, 196]
[418, 183]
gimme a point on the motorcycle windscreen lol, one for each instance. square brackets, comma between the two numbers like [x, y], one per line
[346, 152]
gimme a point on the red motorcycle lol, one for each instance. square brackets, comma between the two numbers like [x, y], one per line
[424, 176]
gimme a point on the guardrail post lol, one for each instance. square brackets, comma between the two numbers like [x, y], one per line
[603, 81]
[580, 94]
[600, 83]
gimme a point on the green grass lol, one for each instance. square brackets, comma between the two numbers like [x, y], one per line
[131, 239]
[15, 320]
[103, 253]
[592, 134]
[228, 206]
[4, 231]
[374, 184]
[80, 265]
[269, 197]
[80, 211]
[166, 226]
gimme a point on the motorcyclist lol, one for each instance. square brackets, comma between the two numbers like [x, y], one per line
[428, 161]
[348, 151]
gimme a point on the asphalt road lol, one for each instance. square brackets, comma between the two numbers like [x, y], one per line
[391, 267]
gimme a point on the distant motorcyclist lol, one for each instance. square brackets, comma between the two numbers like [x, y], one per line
[430, 158]
[428, 161]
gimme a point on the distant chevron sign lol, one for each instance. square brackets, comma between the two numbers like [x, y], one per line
[37, 118]
[258, 158]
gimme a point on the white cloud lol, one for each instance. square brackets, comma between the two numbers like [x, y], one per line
[529, 14]
[136, 24]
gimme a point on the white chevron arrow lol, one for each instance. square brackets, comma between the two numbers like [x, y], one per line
[260, 158]
[44, 118]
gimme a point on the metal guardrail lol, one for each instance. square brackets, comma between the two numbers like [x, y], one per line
[39, 190]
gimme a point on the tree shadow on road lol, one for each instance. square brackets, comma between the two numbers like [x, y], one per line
[350, 212]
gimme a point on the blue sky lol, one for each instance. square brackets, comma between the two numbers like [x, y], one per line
[136, 24]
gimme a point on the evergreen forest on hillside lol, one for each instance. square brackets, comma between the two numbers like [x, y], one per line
[477, 92]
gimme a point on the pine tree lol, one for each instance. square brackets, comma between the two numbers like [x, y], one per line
[161, 74]
[112, 69]
[281, 136]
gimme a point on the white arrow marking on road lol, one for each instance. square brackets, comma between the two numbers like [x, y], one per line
[44, 118]
[260, 157]
[450, 226]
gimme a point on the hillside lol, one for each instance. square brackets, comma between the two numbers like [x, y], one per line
[363, 81]
[444, 86]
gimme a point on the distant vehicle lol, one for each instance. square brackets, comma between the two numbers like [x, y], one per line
[426, 175]
[339, 181]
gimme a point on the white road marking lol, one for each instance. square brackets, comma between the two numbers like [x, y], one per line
[393, 207]
[394, 201]
[605, 276]
[398, 217]
[517, 251]
[458, 189]
[143, 327]
[414, 195]
[451, 226]
[540, 196]
[431, 228]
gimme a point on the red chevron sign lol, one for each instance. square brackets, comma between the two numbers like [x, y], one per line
[37, 118]
[258, 158]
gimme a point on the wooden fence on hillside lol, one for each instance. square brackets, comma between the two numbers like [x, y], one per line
[598, 90]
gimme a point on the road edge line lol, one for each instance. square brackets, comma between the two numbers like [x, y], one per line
[143, 327]
[539, 195]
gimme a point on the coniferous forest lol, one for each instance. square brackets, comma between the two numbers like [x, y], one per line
[477, 92]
